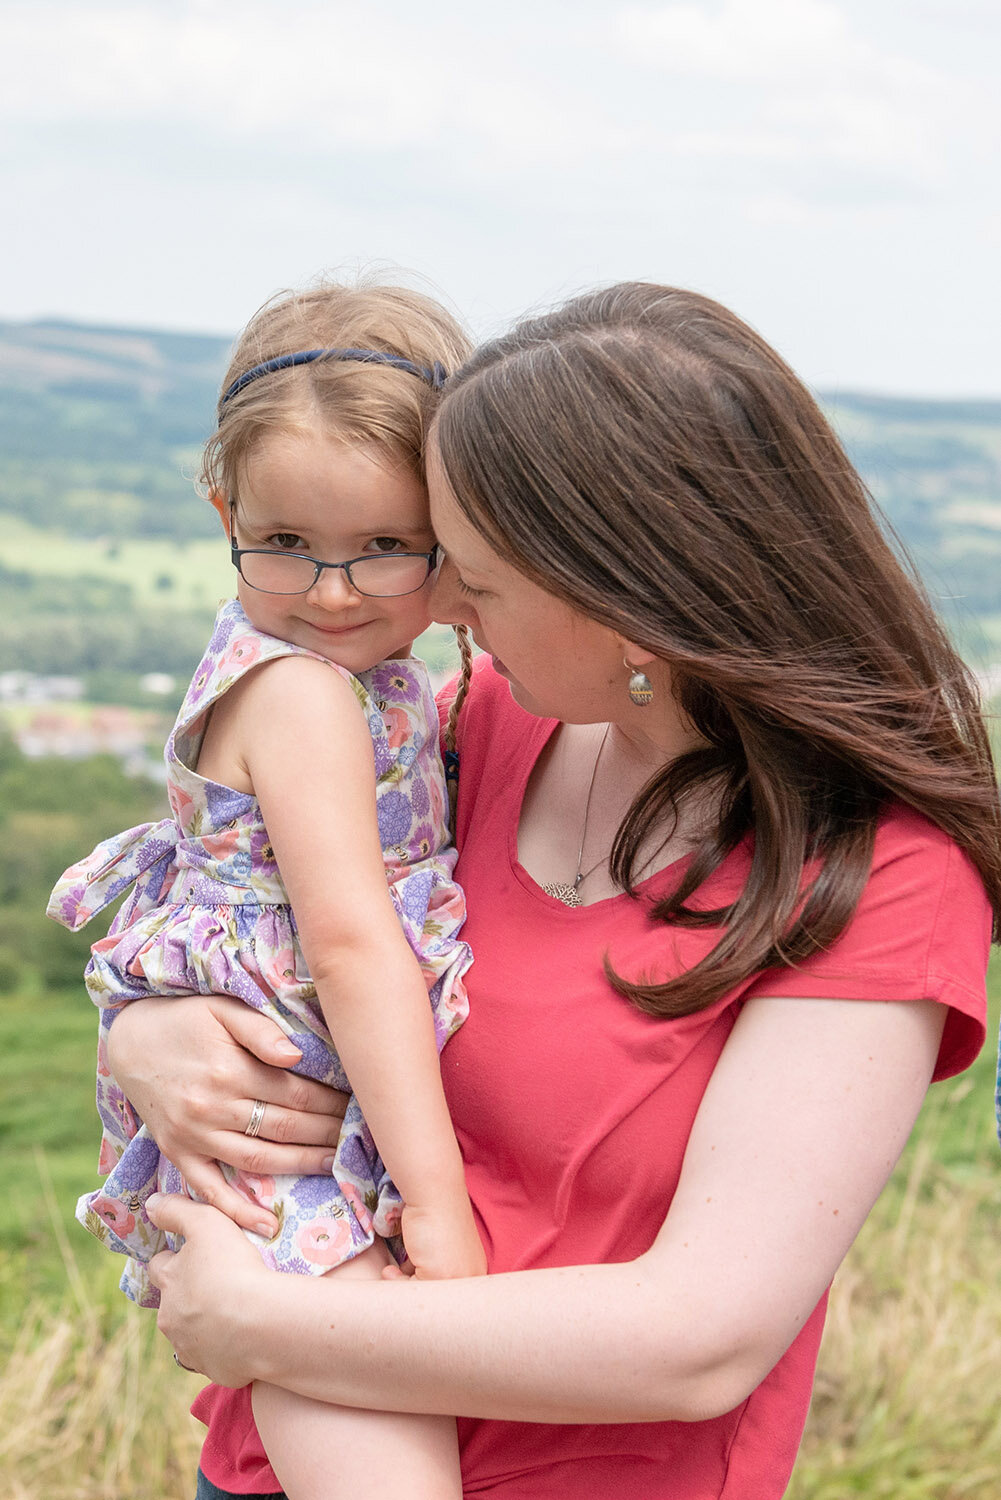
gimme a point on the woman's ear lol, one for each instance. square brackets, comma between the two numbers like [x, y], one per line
[220, 504]
[633, 655]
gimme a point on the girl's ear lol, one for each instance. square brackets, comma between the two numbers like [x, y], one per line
[220, 504]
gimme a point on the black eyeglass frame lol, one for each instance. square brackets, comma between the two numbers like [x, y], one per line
[236, 553]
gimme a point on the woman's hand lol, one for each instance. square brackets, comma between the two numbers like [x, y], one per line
[194, 1067]
[207, 1288]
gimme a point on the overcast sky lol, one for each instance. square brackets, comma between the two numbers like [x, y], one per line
[829, 168]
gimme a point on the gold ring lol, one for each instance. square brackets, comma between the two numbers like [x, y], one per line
[256, 1117]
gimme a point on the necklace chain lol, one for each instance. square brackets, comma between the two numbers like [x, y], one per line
[570, 894]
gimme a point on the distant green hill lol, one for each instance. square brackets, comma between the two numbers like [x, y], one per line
[100, 428]
[100, 431]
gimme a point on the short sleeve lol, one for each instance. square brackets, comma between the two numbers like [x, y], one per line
[921, 931]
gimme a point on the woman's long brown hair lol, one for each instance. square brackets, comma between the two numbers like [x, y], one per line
[644, 455]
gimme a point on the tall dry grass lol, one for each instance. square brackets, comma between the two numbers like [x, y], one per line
[93, 1408]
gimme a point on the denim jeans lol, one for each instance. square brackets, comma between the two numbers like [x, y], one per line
[208, 1491]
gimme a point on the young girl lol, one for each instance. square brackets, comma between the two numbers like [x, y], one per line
[308, 696]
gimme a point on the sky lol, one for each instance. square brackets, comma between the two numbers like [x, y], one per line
[828, 168]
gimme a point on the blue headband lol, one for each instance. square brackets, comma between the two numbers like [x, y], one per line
[435, 377]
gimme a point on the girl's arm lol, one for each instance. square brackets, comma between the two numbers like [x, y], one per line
[307, 751]
[801, 1124]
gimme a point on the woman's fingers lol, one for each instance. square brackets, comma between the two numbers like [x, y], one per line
[206, 1180]
[258, 1156]
[257, 1033]
[294, 1105]
[174, 1214]
[291, 1126]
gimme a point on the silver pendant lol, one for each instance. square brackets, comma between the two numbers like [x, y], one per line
[565, 893]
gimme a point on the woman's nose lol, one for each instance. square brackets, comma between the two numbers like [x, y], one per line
[448, 605]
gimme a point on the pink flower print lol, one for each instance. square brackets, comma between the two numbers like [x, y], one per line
[437, 802]
[397, 726]
[114, 1214]
[325, 1241]
[180, 805]
[108, 1158]
[447, 901]
[357, 1205]
[103, 1069]
[242, 653]
[256, 1189]
[219, 846]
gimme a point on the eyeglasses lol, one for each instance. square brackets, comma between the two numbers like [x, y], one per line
[389, 575]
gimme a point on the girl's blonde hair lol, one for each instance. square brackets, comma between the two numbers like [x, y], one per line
[350, 400]
[356, 402]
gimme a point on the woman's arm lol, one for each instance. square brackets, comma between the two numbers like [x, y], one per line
[802, 1122]
[308, 754]
[193, 1067]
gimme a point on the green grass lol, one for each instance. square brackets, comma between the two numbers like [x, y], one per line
[193, 575]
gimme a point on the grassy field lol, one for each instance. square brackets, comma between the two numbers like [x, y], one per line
[92, 1407]
[191, 575]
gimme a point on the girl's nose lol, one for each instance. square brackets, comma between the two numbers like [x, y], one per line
[333, 590]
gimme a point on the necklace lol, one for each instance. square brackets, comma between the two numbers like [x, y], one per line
[569, 894]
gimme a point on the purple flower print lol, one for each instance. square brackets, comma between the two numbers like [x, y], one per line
[294, 1265]
[420, 797]
[394, 814]
[224, 805]
[136, 1167]
[262, 853]
[316, 1192]
[199, 683]
[395, 682]
[422, 841]
[319, 1060]
[415, 895]
[355, 1159]
[383, 757]
[225, 624]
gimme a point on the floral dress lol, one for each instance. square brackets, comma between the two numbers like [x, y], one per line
[209, 915]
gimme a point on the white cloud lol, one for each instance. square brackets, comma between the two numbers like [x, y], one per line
[797, 79]
[335, 76]
[755, 40]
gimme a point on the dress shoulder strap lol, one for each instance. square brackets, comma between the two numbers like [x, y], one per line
[236, 648]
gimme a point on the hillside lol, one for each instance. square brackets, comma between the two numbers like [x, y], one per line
[100, 430]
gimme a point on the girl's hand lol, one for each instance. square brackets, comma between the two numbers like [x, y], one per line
[193, 1067]
[443, 1242]
[208, 1289]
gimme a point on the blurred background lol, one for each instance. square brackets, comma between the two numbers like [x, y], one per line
[825, 167]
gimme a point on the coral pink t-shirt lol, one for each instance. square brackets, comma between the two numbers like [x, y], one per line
[573, 1109]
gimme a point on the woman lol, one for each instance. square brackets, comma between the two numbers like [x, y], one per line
[724, 793]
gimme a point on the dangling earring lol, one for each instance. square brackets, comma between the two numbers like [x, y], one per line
[640, 686]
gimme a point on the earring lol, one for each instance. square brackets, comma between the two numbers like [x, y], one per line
[640, 686]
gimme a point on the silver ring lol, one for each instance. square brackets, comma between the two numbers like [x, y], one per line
[256, 1117]
[181, 1366]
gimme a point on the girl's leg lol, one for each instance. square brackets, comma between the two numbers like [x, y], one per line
[322, 1452]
